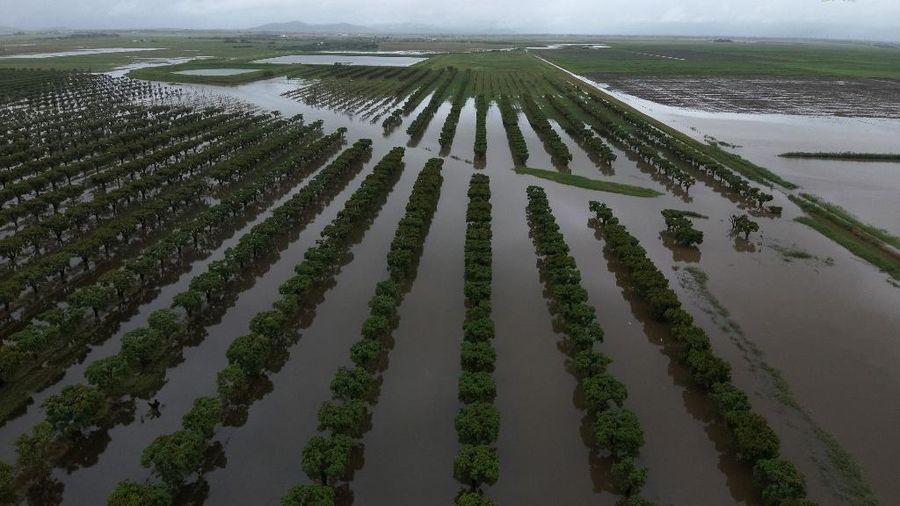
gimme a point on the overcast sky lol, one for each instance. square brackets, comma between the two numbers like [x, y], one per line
[867, 19]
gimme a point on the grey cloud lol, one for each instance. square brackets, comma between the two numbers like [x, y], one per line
[873, 19]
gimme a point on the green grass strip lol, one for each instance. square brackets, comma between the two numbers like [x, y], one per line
[587, 183]
[845, 155]
[847, 220]
[850, 234]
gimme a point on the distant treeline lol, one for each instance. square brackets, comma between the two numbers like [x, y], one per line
[846, 155]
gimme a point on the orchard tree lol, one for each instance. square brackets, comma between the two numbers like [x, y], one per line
[779, 481]
[478, 423]
[309, 495]
[142, 346]
[191, 301]
[627, 477]
[478, 356]
[366, 352]
[619, 432]
[476, 387]
[107, 373]
[327, 458]
[131, 493]
[603, 213]
[603, 391]
[173, 457]
[343, 417]
[743, 225]
[476, 465]
[204, 416]
[74, 409]
[249, 352]
[472, 499]
[351, 383]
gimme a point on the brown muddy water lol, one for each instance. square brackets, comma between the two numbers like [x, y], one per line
[828, 323]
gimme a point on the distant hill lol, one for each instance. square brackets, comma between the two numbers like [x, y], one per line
[301, 27]
[405, 28]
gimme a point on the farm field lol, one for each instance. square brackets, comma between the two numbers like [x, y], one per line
[477, 279]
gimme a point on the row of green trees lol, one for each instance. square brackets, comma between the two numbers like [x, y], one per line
[753, 439]
[418, 125]
[326, 457]
[478, 421]
[634, 131]
[594, 145]
[117, 287]
[448, 131]
[36, 134]
[510, 118]
[95, 246]
[51, 163]
[617, 430]
[677, 224]
[393, 121]
[176, 456]
[558, 150]
[121, 217]
[61, 330]
[481, 110]
[133, 180]
[416, 98]
[146, 351]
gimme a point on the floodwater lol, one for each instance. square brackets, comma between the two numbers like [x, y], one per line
[399, 52]
[543, 459]
[214, 72]
[829, 324]
[868, 189]
[329, 59]
[162, 298]
[80, 52]
[561, 46]
[140, 63]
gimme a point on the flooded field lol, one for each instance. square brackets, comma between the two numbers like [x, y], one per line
[868, 190]
[79, 52]
[811, 364]
[331, 59]
[873, 98]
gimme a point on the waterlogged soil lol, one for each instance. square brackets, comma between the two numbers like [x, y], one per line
[876, 98]
[827, 323]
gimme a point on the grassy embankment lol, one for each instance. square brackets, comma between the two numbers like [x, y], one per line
[169, 73]
[865, 241]
[845, 156]
[587, 183]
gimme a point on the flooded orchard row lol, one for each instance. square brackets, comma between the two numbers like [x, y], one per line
[830, 350]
